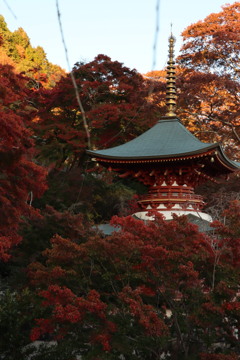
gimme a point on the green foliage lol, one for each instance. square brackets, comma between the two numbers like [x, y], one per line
[20, 37]
[3, 26]
[17, 313]
[18, 51]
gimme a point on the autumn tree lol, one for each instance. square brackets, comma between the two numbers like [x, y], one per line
[21, 178]
[212, 45]
[208, 106]
[16, 50]
[146, 291]
[114, 99]
[209, 92]
[117, 107]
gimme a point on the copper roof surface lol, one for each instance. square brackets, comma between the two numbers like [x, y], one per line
[168, 138]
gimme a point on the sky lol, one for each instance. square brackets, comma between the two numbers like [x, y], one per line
[124, 30]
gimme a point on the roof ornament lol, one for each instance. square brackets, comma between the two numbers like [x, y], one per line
[171, 80]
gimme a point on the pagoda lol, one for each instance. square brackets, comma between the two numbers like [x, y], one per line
[169, 160]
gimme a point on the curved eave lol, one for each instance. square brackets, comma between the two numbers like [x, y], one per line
[221, 160]
[100, 156]
[226, 162]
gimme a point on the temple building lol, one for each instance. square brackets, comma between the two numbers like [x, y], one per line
[169, 160]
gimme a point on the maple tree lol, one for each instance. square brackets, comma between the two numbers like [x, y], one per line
[209, 108]
[212, 44]
[114, 99]
[147, 290]
[37, 233]
[116, 103]
[209, 100]
[21, 178]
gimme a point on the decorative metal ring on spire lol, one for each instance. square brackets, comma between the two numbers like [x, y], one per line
[171, 93]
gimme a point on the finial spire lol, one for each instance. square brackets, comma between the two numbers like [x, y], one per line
[171, 80]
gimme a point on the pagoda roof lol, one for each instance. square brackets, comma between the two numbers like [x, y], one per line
[167, 139]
